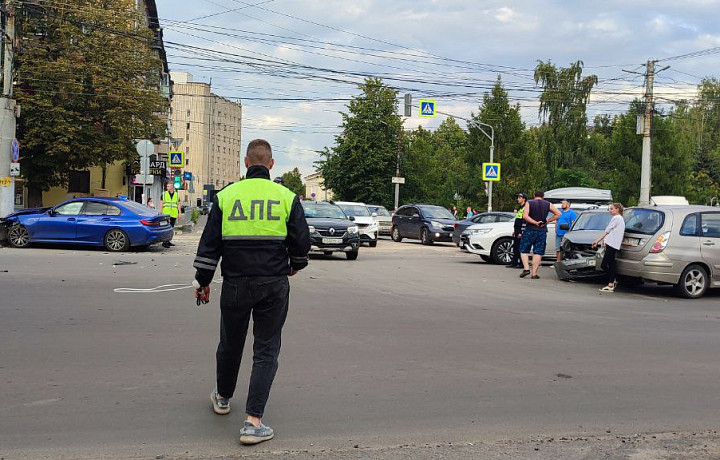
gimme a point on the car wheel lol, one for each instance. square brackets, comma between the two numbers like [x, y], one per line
[693, 282]
[395, 235]
[425, 237]
[19, 237]
[502, 251]
[352, 255]
[486, 258]
[116, 240]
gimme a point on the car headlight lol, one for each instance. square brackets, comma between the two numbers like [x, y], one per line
[478, 231]
[352, 230]
[312, 229]
[435, 224]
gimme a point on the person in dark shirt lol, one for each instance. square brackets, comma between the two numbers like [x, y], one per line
[534, 236]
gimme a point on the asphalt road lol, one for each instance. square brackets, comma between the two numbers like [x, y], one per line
[407, 352]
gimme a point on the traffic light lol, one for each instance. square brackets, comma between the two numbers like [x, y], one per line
[177, 179]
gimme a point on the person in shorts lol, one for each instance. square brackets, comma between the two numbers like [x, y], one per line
[534, 236]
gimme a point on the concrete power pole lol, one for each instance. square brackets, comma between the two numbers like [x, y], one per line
[646, 163]
[7, 111]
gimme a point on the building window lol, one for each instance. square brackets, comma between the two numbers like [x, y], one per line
[187, 126]
[188, 113]
[79, 182]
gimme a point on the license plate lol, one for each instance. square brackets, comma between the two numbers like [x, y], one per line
[591, 262]
[631, 241]
[332, 240]
[163, 222]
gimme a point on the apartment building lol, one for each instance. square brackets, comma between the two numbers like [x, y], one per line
[208, 129]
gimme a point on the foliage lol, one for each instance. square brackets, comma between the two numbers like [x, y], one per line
[563, 105]
[360, 165]
[293, 181]
[88, 82]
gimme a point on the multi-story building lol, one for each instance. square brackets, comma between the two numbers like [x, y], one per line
[315, 188]
[208, 128]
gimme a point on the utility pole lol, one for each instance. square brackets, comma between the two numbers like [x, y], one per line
[490, 136]
[7, 110]
[646, 163]
[397, 168]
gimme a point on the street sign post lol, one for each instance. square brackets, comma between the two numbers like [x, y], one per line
[427, 108]
[491, 172]
[398, 180]
[176, 159]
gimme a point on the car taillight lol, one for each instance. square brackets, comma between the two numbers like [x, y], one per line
[149, 223]
[660, 243]
[455, 225]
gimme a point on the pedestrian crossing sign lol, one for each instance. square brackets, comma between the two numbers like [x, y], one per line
[177, 159]
[427, 108]
[491, 171]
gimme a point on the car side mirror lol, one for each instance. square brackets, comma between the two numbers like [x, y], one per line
[352, 218]
[374, 214]
[51, 212]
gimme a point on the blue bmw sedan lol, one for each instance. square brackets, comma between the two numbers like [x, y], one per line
[114, 223]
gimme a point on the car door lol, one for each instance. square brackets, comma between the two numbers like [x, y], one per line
[414, 223]
[94, 220]
[710, 242]
[58, 224]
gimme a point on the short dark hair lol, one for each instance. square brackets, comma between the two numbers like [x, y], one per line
[259, 152]
[539, 194]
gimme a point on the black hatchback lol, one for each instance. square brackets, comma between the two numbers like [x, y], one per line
[331, 230]
[426, 222]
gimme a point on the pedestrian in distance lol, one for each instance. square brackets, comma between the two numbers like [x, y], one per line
[564, 222]
[468, 213]
[150, 203]
[455, 212]
[258, 234]
[170, 205]
[534, 237]
[612, 238]
[518, 231]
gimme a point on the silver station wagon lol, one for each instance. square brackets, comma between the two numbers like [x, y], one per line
[678, 245]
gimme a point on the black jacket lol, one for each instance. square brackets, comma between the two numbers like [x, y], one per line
[248, 257]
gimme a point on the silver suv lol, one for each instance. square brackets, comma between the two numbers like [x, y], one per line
[678, 245]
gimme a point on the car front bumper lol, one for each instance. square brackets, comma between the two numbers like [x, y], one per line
[578, 268]
[479, 246]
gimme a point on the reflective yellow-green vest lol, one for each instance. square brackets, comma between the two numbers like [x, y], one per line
[171, 206]
[255, 209]
[520, 213]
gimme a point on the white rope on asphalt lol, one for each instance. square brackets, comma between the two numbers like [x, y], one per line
[156, 289]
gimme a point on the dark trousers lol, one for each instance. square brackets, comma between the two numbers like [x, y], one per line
[266, 299]
[516, 251]
[608, 263]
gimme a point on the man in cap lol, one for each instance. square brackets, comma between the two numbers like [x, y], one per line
[564, 222]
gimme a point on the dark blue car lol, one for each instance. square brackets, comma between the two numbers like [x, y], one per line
[114, 223]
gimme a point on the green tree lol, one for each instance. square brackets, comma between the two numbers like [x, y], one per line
[88, 83]
[563, 105]
[293, 181]
[360, 165]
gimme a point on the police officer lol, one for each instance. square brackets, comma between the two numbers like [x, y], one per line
[517, 231]
[258, 229]
[170, 205]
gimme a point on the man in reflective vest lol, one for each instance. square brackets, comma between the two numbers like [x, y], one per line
[258, 229]
[170, 205]
[518, 227]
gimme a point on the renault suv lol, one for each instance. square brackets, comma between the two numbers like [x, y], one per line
[331, 230]
[678, 245]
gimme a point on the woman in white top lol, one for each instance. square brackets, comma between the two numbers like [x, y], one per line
[612, 237]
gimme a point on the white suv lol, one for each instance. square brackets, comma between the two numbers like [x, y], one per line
[493, 242]
[367, 225]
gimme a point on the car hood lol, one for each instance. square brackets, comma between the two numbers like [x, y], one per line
[450, 222]
[583, 236]
[28, 211]
[320, 222]
[494, 225]
[366, 220]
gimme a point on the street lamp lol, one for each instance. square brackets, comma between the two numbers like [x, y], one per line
[492, 151]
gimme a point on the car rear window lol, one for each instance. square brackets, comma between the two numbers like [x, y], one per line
[138, 208]
[643, 221]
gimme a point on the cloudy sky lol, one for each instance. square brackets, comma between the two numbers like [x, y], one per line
[294, 64]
